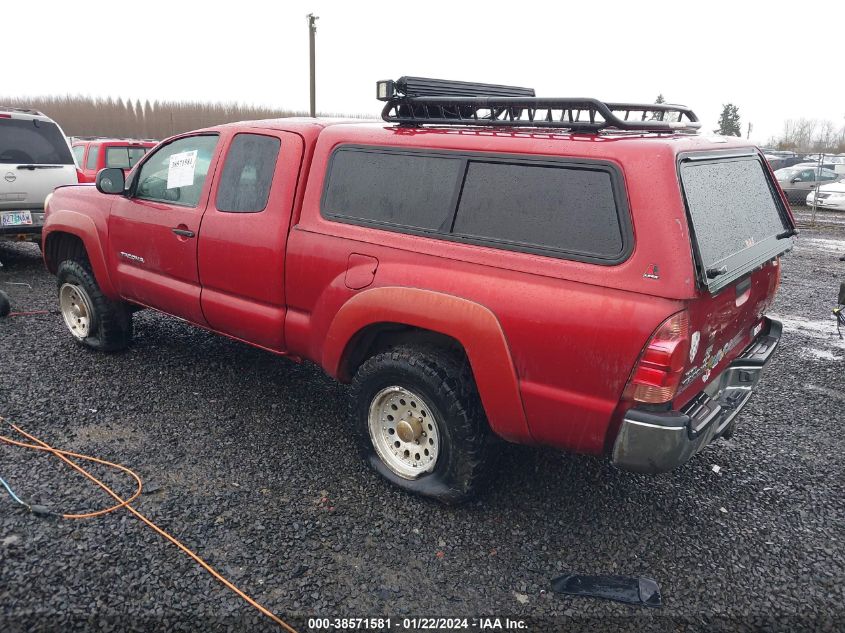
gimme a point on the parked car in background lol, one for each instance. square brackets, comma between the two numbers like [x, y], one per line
[35, 158]
[589, 289]
[837, 162]
[95, 153]
[830, 196]
[801, 179]
[834, 162]
[781, 159]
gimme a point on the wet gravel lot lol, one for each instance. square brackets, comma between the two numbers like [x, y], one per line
[256, 470]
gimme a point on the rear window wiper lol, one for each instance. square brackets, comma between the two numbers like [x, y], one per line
[786, 233]
[712, 273]
[34, 167]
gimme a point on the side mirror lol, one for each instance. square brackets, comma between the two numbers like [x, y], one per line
[111, 180]
[796, 179]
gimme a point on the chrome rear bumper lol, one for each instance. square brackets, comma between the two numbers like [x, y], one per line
[659, 441]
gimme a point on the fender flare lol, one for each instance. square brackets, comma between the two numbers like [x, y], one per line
[83, 227]
[473, 325]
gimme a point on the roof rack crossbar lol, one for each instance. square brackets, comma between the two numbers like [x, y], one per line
[519, 108]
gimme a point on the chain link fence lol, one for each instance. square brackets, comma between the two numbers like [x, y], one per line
[814, 184]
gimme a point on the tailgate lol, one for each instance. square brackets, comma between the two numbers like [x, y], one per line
[26, 186]
[35, 158]
[723, 325]
[740, 228]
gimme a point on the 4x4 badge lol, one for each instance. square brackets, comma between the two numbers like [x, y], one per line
[652, 272]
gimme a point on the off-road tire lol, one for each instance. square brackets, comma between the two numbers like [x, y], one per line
[444, 380]
[111, 321]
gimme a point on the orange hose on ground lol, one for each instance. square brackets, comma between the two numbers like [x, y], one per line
[55, 451]
[124, 503]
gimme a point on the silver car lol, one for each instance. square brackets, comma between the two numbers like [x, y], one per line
[35, 158]
[799, 180]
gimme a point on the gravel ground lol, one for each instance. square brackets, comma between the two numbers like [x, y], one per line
[256, 471]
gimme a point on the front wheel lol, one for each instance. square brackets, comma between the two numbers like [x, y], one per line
[93, 319]
[420, 423]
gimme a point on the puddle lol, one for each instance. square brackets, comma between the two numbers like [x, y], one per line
[832, 393]
[834, 247]
[828, 346]
[821, 354]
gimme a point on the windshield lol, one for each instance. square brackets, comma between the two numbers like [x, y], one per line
[33, 142]
[735, 213]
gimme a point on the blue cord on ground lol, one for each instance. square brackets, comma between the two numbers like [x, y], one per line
[12, 493]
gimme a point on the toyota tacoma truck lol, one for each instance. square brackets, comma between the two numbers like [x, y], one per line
[481, 265]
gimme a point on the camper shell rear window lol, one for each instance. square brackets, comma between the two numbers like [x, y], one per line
[737, 216]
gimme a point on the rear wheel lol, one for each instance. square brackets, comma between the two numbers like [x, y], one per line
[93, 319]
[420, 423]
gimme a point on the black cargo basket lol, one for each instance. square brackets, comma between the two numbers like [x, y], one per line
[415, 101]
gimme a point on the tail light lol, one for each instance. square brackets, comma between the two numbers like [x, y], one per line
[658, 373]
[80, 177]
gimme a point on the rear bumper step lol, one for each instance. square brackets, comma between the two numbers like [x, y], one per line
[657, 441]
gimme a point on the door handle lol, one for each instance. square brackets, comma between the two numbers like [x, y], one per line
[184, 232]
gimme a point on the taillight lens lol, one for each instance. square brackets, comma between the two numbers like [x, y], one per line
[80, 177]
[659, 371]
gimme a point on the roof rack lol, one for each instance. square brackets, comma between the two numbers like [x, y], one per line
[21, 110]
[416, 101]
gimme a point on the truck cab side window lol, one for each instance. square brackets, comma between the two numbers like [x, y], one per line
[176, 173]
[248, 173]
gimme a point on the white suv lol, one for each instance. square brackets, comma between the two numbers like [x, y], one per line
[35, 158]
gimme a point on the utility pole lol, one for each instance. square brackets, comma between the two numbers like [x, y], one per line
[750, 127]
[312, 29]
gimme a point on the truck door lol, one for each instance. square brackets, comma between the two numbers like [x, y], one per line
[244, 237]
[153, 229]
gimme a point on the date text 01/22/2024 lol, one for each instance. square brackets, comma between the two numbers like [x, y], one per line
[417, 624]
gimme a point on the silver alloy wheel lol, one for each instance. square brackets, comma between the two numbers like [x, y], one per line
[76, 309]
[404, 432]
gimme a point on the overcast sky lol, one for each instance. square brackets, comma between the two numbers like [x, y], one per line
[775, 60]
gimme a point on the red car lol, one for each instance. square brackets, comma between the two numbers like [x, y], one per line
[565, 272]
[93, 153]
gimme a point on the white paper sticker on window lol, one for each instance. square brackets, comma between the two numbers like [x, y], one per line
[180, 173]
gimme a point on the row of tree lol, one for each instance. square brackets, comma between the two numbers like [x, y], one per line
[799, 135]
[88, 116]
[810, 135]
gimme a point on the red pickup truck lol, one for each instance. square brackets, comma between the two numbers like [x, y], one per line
[563, 272]
[94, 153]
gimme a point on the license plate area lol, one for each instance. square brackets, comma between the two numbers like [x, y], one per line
[15, 218]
